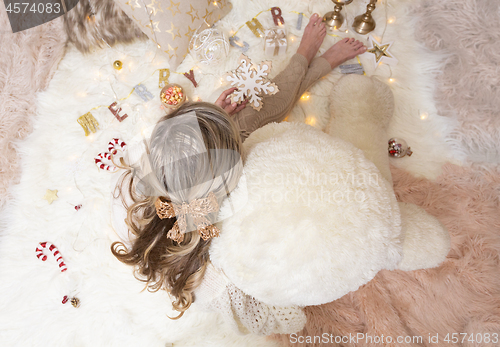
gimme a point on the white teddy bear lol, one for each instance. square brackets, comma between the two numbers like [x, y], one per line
[316, 212]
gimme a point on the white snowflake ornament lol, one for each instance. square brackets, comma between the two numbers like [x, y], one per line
[252, 82]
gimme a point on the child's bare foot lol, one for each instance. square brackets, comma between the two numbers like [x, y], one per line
[314, 33]
[343, 50]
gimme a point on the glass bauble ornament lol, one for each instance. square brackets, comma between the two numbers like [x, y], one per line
[399, 148]
[209, 46]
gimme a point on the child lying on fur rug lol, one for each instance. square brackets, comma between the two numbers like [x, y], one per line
[170, 223]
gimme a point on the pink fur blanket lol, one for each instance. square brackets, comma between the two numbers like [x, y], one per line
[28, 59]
[460, 296]
[467, 90]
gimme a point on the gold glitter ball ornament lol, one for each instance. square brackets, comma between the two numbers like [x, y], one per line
[118, 65]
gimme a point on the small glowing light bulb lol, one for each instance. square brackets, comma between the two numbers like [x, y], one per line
[424, 116]
[391, 20]
[391, 80]
[310, 120]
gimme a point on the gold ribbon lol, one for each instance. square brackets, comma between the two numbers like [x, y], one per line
[276, 39]
[197, 209]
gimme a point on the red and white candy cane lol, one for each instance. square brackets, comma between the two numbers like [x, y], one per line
[114, 143]
[55, 252]
[101, 165]
[113, 147]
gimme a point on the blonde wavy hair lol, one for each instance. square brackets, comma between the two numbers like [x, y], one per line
[159, 261]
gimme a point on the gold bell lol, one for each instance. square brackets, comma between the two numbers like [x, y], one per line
[334, 19]
[365, 23]
[75, 302]
[118, 65]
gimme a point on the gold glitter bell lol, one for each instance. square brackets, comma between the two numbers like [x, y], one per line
[75, 302]
[365, 23]
[118, 65]
[334, 19]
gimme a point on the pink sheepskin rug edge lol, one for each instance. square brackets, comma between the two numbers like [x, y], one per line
[28, 60]
[462, 295]
[467, 89]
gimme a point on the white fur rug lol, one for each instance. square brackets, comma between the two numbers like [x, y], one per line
[57, 155]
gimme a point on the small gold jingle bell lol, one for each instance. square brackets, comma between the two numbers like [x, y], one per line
[118, 65]
[334, 19]
[75, 302]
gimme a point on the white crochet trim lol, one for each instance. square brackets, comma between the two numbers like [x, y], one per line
[243, 312]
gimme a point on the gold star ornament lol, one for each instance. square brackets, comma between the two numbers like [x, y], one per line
[380, 52]
[50, 195]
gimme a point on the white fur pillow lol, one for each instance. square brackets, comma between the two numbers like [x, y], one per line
[320, 220]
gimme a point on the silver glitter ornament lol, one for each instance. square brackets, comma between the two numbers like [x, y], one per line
[399, 148]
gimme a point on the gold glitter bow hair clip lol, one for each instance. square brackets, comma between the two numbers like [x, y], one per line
[198, 209]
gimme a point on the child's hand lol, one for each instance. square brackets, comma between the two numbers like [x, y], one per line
[224, 102]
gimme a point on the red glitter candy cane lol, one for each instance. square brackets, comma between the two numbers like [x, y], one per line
[55, 252]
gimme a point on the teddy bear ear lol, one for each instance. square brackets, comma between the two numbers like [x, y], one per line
[426, 241]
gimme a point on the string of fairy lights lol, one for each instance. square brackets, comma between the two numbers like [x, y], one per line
[253, 24]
